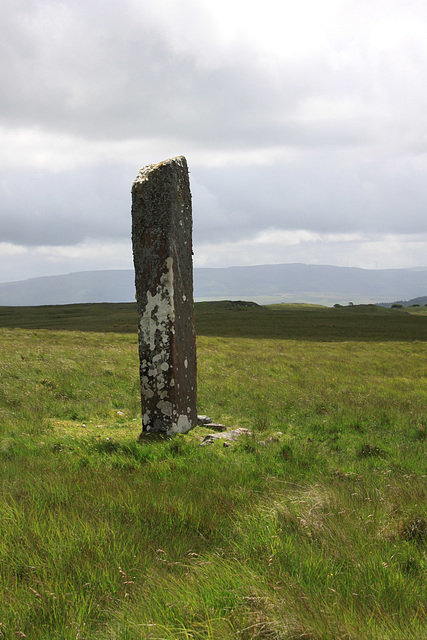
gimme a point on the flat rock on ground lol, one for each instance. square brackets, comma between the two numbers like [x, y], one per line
[226, 435]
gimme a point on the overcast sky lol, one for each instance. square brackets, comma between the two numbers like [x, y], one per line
[304, 125]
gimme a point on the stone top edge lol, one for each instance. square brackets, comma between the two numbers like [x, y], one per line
[144, 172]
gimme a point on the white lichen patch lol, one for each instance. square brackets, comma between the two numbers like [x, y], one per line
[183, 424]
[145, 387]
[156, 325]
[159, 313]
[165, 407]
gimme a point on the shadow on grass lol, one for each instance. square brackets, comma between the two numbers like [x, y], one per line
[237, 320]
[294, 322]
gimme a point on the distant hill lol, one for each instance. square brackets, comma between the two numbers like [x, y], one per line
[321, 284]
[265, 284]
[84, 286]
[421, 301]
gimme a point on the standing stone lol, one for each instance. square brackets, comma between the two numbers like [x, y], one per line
[163, 258]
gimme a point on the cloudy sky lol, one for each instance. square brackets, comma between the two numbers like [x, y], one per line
[304, 125]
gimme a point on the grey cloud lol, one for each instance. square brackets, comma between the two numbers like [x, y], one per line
[327, 195]
[64, 208]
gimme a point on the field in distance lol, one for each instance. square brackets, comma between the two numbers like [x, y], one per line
[226, 318]
[312, 526]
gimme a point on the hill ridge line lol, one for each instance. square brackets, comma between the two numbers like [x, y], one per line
[266, 283]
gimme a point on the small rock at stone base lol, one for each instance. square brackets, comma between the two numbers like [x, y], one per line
[216, 426]
[229, 435]
[203, 420]
[207, 441]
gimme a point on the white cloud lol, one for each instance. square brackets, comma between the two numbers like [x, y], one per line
[19, 262]
[367, 251]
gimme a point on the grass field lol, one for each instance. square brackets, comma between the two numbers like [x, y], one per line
[314, 527]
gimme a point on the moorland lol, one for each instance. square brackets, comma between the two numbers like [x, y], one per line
[312, 526]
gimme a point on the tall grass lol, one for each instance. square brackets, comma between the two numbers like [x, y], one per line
[313, 527]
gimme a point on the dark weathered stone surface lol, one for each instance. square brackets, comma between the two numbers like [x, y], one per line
[162, 250]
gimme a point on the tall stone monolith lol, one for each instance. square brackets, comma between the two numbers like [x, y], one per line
[162, 250]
